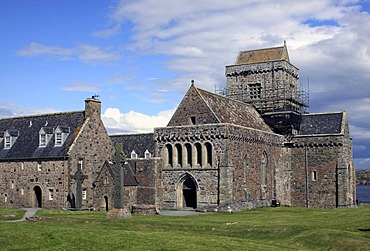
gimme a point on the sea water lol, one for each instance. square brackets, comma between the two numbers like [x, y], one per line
[363, 193]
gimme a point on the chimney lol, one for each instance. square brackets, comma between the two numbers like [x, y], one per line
[92, 107]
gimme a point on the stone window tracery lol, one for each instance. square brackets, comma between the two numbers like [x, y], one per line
[189, 155]
[178, 155]
[264, 161]
[208, 148]
[198, 148]
[254, 91]
[167, 155]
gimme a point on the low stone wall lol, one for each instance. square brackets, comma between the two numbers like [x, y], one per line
[144, 209]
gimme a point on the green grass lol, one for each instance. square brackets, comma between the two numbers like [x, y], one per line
[6, 212]
[281, 228]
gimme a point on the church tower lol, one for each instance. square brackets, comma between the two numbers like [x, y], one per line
[266, 79]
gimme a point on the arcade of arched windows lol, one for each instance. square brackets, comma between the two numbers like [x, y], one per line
[188, 155]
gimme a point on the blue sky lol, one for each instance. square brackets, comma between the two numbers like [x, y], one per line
[141, 55]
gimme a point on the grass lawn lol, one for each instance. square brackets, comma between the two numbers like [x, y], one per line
[281, 228]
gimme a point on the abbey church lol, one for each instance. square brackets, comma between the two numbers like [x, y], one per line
[252, 144]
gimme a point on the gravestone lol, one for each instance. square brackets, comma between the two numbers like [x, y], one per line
[119, 211]
[79, 177]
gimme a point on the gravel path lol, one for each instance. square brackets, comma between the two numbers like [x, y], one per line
[29, 213]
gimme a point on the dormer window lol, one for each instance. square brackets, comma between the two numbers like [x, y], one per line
[61, 134]
[7, 144]
[10, 136]
[147, 154]
[58, 138]
[45, 135]
[133, 155]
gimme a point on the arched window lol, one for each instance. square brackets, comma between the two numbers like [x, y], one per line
[198, 148]
[178, 154]
[245, 167]
[189, 155]
[264, 175]
[209, 156]
[167, 155]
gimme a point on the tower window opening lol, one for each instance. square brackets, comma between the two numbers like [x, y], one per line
[254, 91]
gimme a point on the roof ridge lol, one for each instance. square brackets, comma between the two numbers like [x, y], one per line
[130, 134]
[267, 48]
[200, 94]
[39, 115]
[323, 113]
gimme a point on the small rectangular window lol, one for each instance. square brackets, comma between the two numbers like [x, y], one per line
[314, 176]
[84, 194]
[22, 166]
[39, 166]
[80, 164]
[42, 140]
[7, 142]
[5, 198]
[22, 191]
[58, 138]
[12, 185]
[51, 194]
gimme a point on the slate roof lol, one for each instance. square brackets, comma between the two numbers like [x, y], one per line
[232, 111]
[321, 123]
[263, 55]
[26, 145]
[128, 175]
[137, 142]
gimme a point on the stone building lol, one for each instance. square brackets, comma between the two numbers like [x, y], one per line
[252, 145]
[51, 160]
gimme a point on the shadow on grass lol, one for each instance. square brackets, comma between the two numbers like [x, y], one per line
[364, 230]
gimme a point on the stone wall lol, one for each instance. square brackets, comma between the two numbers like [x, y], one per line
[206, 187]
[22, 180]
[147, 173]
[277, 79]
[93, 147]
[256, 159]
[320, 172]
[235, 173]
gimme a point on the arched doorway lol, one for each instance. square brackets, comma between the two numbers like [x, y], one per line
[187, 192]
[106, 203]
[37, 197]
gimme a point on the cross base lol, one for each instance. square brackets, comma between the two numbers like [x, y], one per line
[119, 213]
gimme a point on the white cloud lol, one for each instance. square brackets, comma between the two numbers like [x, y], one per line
[80, 86]
[86, 53]
[134, 122]
[94, 54]
[360, 133]
[12, 110]
[201, 37]
[36, 49]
